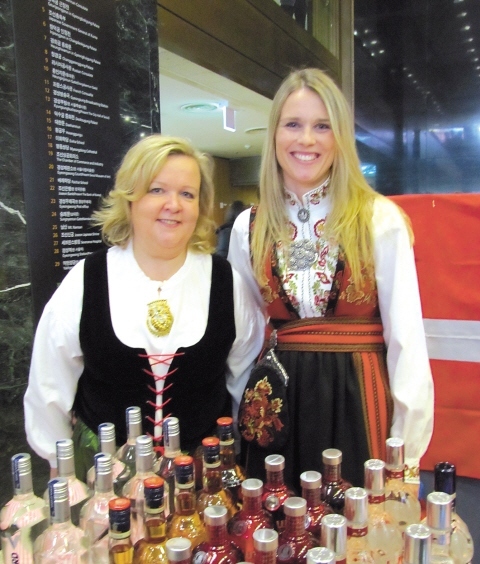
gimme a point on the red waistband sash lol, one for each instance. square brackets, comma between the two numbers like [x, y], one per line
[363, 337]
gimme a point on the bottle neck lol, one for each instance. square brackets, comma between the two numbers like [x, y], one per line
[216, 534]
[357, 532]
[313, 497]
[252, 505]
[275, 480]
[227, 455]
[212, 478]
[185, 499]
[269, 557]
[376, 504]
[294, 526]
[155, 525]
[332, 473]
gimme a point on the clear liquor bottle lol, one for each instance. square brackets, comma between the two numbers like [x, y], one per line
[151, 549]
[121, 472]
[461, 543]
[94, 519]
[78, 491]
[213, 492]
[133, 489]
[321, 555]
[311, 484]
[334, 536]
[179, 550]
[250, 518]
[185, 521]
[399, 502]
[333, 485]
[384, 536]
[120, 545]
[275, 491]
[62, 541]
[166, 463]
[417, 544]
[439, 520]
[218, 548]
[24, 517]
[356, 512]
[295, 541]
[232, 474]
[126, 453]
[265, 544]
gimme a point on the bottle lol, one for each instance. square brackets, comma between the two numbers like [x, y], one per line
[24, 517]
[213, 492]
[185, 521]
[166, 464]
[119, 542]
[384, 537]
[94, 518]
[311, 484]
[295, 541]
[275, 491]
[78, 491]
[121, 473]
[232, 474]
[334, 536]
[417, 544]
[218, 548]
[62, 541]
[356, 512]
[133, 489]
[333, 485]
[320, 555]
[439, 520]
[399, 502]
[126, 453]
[179, 550]
[151, 549]
[461, 542]
[251, 517]
[265, 544]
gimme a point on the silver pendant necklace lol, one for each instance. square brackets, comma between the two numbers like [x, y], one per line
[303, 214]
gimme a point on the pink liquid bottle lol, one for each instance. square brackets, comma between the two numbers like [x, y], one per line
[311, 483]
[295, 541]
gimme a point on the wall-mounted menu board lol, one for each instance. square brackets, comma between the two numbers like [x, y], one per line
[65, 52]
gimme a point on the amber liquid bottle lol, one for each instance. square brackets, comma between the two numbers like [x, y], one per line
[232, 474]
[213, 492]
[265, 543]
[295, 541]
[120, 547]
[275, 491]
[185, 521]
[250, 518]
[333, 485]
[311, 483]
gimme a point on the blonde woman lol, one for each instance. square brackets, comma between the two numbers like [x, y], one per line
[154, 321]
[331, 262]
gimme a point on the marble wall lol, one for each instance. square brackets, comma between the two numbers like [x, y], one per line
[139, 108]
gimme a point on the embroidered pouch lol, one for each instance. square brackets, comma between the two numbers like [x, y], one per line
[263, 413]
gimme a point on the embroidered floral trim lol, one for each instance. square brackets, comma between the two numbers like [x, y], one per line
[260, 415]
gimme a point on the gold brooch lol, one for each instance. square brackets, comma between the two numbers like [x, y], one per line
[159, 318]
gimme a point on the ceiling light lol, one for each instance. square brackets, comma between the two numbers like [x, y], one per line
[200, 108]
[255, 130]
[465, 28]
[461, 14]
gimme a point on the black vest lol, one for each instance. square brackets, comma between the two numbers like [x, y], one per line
[114, 376]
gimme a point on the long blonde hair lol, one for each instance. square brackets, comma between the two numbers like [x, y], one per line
[141, 164]
[350, 220]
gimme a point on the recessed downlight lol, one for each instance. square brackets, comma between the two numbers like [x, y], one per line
[200, 108]
[255, 130]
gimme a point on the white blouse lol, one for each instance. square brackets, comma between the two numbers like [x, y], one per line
[57, 360]
[409, 371]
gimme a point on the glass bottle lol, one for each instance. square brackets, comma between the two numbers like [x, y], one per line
[94, 519]
[151, 549]
[232, 474]
[275, 491]
[461, 543]
[417, 544]
[120, 545]
[133, 489]
[62, 541]
[166, 464]
[384, 537]
[251, 517]
[126, 453]
[265, 544]
[311, 484]
[213, 492]
[439, 520]
[185, 521]
[218, 548]
[24, 517]
[78, 491]
[399, 502]
[179, 550]
[356, 512]
[107, 443]
[321, 555]
[333, 485]
[334, 536]
[295, 541]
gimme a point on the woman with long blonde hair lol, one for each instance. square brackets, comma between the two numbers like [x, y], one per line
[331, 262]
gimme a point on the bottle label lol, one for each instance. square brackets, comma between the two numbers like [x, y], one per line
[272, 503]
[17, 544]
[239, 528]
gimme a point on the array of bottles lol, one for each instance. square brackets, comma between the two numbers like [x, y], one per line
[137, 508]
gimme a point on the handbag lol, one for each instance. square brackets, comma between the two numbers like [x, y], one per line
[263, 413]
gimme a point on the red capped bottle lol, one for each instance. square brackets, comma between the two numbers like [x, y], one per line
[120, 544]
[295, 541]
[311, 483]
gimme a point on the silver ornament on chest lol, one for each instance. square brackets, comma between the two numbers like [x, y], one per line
[302, 254]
